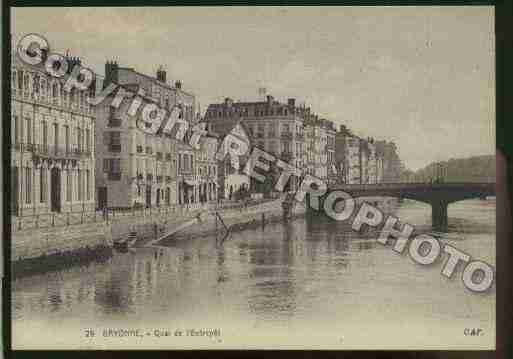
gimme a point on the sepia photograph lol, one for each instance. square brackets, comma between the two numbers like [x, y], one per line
[252, 177]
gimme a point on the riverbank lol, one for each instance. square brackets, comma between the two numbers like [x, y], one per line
[51, 248]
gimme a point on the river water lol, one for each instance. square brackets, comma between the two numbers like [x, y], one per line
[311, 283]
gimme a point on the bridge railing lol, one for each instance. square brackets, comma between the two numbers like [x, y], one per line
[411, 185]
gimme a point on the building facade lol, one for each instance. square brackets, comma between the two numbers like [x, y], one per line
[135, 168]
[272, 126]
[207, 168]
[230, 177]
[320, 147]
[52, 143]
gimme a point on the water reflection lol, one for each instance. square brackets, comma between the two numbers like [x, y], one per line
[296, 274]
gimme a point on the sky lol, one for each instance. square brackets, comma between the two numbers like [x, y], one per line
[423, 77]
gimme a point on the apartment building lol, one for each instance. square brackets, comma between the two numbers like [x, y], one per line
[206, 168]
[230, 177]
[52, 144]
[320, 147]
[275, 127]
[137, 168]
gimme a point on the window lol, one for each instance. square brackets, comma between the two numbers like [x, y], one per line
[28, 185]
[113, 168]
[88, 140]
[17, 129]
[56, 135]
[43, 88]
[28, 129]
[36, 83]
[44, 134]
[72, 97]
[114, 141]
[79, 187]
[69, 185]
[55, 92]
[66, 137]
[88, 185]
[20, 80]
[79, 139]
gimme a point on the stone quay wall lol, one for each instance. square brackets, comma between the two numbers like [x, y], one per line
[48, 241]
[42, 238]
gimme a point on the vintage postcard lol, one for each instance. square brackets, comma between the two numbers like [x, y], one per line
[252, 178]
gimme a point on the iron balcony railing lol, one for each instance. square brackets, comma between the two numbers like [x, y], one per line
[286, 135]
[57, 151]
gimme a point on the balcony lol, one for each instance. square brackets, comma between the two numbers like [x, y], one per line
[53, 151]
[300, 136]
[286, 135]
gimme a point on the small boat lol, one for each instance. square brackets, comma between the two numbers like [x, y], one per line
[124, 243]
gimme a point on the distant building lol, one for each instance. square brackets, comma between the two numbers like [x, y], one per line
[231, 180]
[52, 145]
[348, 158]
[320, 147]
[272, 126]
[134, 167]
[207, 168]
[391, 163]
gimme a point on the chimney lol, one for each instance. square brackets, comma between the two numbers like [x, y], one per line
[111, 73]
[291, 102]
[178, 84]
[228, 102]
[161, 74]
